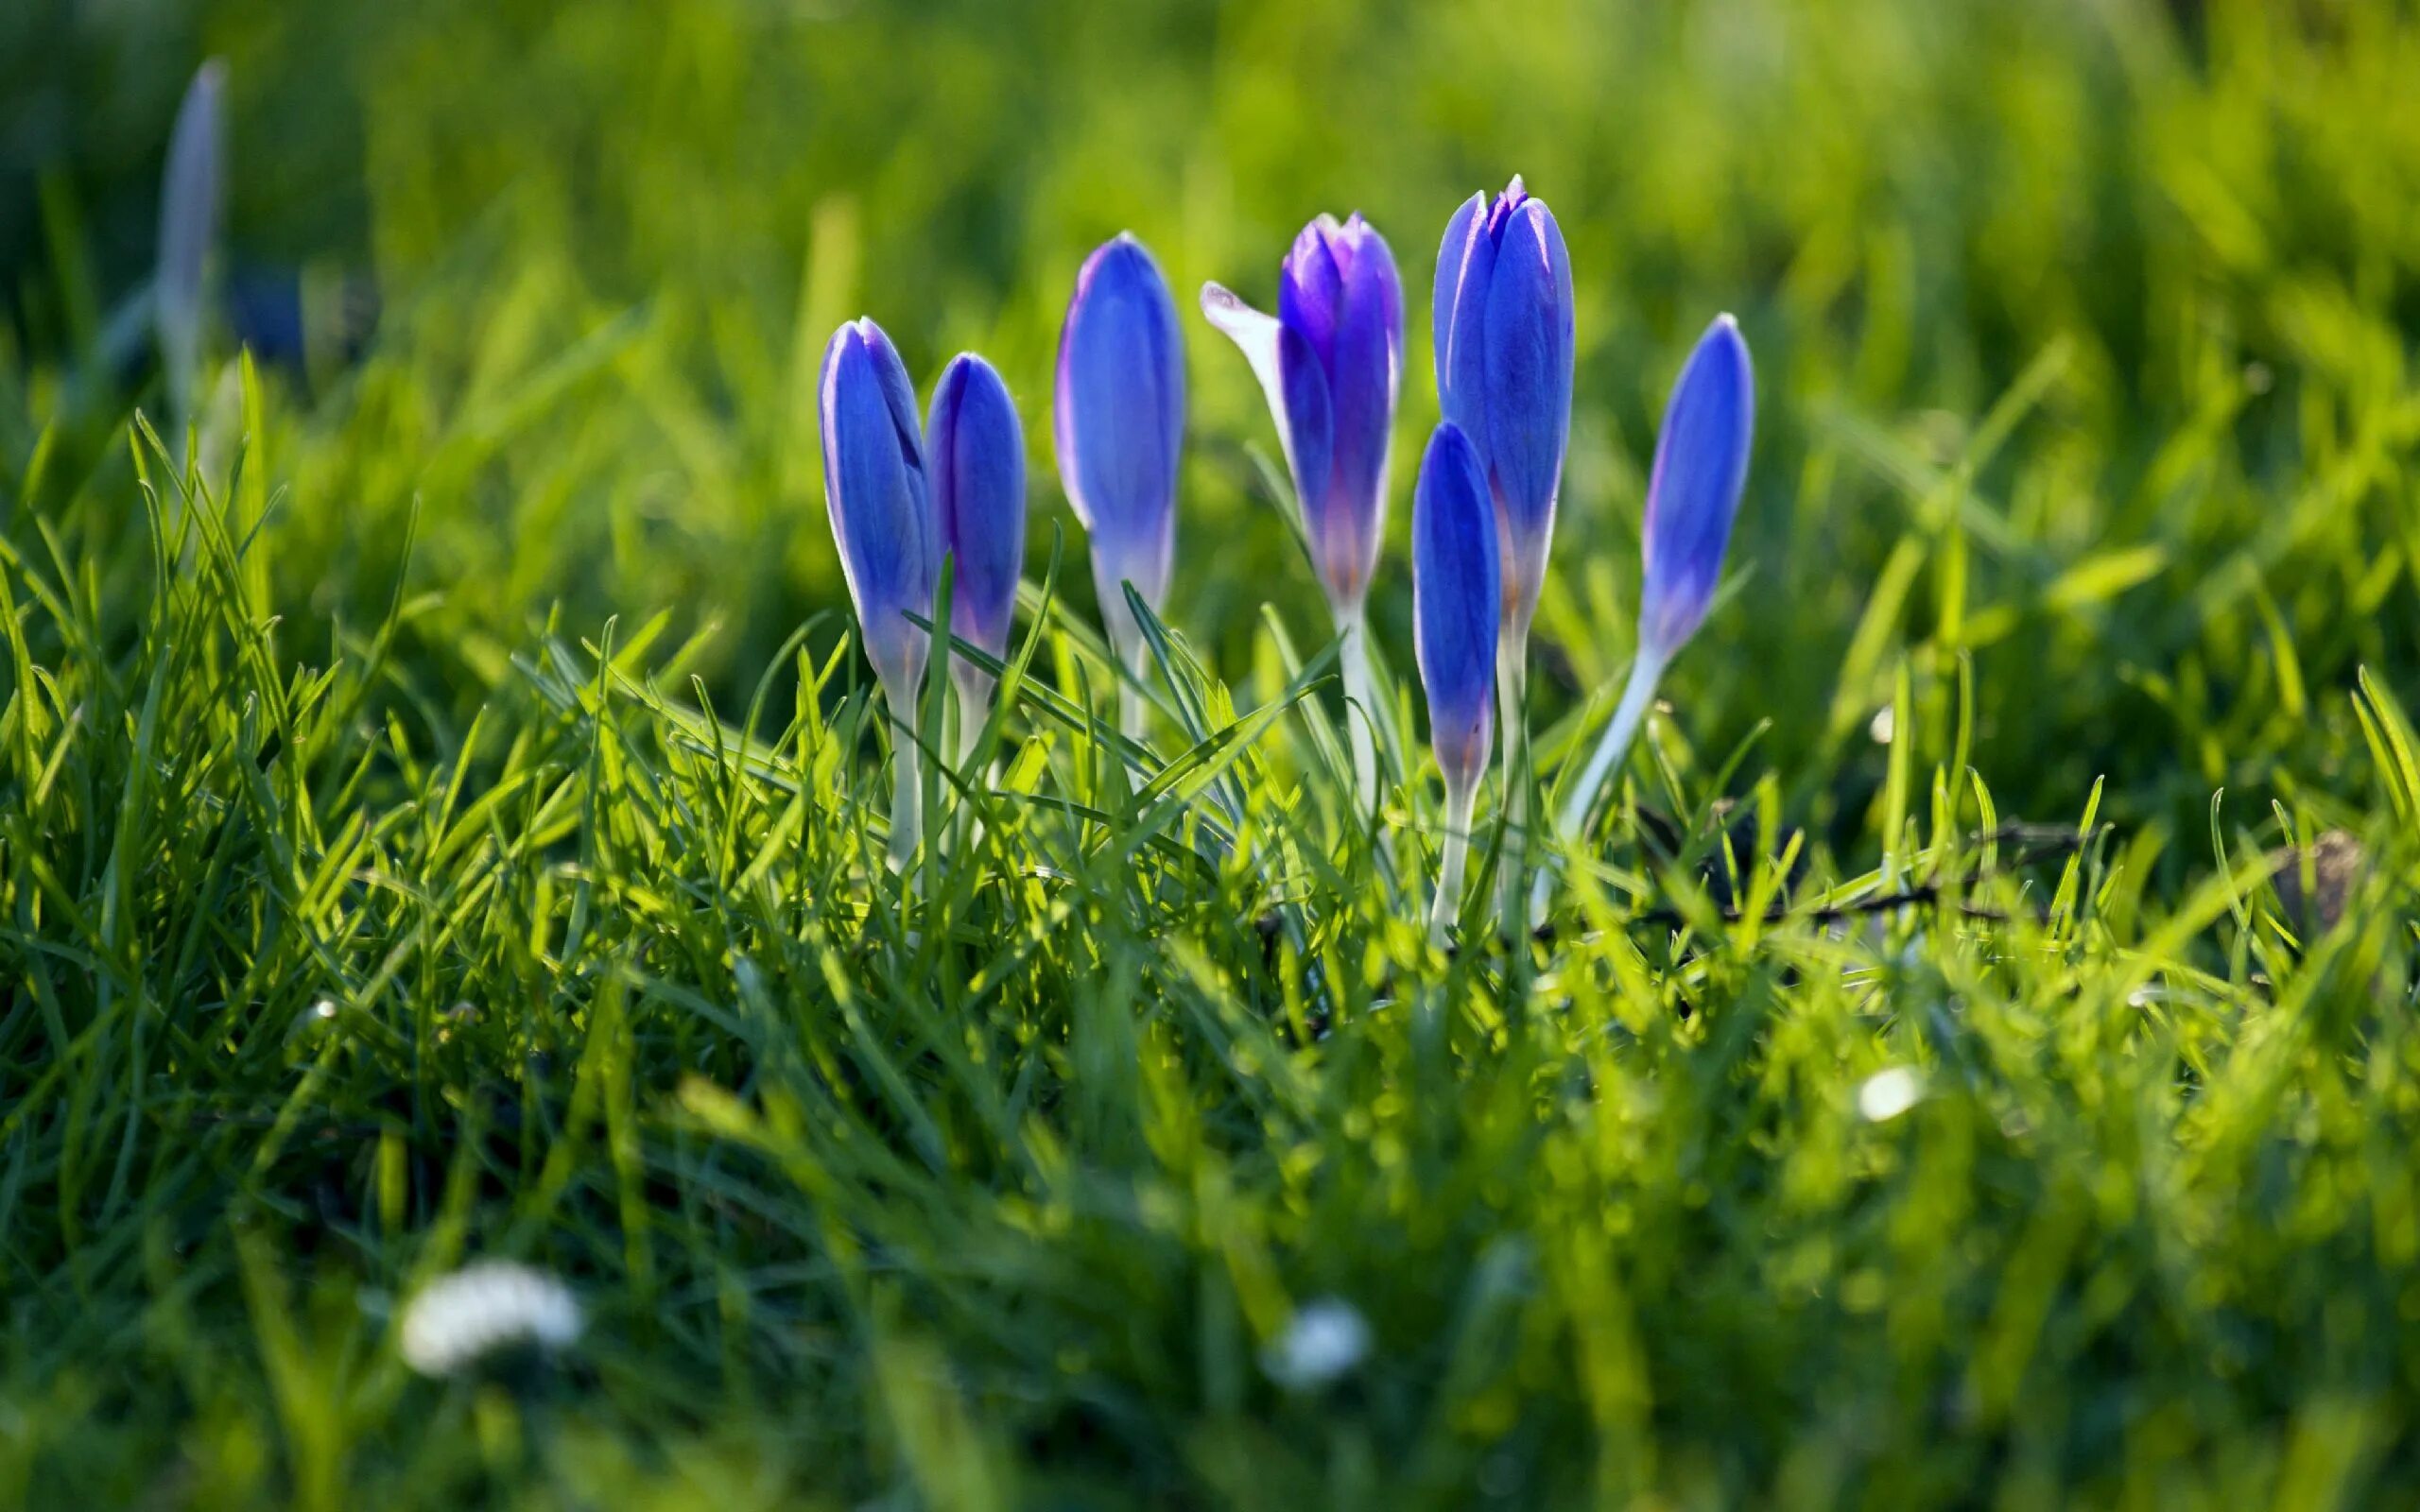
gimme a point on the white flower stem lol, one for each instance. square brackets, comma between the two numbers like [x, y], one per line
[1362, 704]
[907, 803]
[975, 687]
[1512, 701]
[1442, 914]
[1645, 671]
[974, 706]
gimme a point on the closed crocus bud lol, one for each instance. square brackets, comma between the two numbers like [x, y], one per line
[874, 483]
[1457, 591]
[1504, 346]
[1120, 427]
[976, 448]
[191, 192]
[1331, 362]
[882, 518]
[1700, 469]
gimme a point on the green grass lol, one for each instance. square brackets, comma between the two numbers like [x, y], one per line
[495, 692]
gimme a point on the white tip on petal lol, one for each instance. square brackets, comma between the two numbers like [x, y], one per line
[1256, 334]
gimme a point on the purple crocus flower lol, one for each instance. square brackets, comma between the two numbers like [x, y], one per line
[1504, 359]
[1457, 591]
[882, 519]
[1331, 362]
[1119, 425]
[191, 193]
[875, 485]
[977, 448]
[1505, 348]
[1700, 469]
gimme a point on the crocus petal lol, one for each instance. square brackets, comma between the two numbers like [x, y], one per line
[190, 197]
[1307, 415]
[1256, 335]
[875, 490]
[1465, 268]
[1693, 495]
[1529, 357]
[1120, 417]
[1365, 368]
[976, 450]
[1311, 287]
[1457, 603]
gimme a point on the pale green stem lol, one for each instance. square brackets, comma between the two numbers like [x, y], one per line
[973, 687]
[1512, 700]
[1361, 705]
[1127, 643]
[1449, 870]
[907, 803]
[1645, 671]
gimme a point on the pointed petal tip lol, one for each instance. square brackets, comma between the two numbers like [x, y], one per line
[1726, 336]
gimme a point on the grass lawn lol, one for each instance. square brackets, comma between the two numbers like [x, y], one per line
[442, 811]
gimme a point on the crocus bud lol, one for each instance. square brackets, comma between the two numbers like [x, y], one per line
[977, 448]
[1700, 468]
[191, 191]
[1457, 603]
[882, 519]
[1121, 424]
[1505, 348]
[1331, 362]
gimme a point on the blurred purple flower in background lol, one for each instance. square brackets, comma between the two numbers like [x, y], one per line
[192, 192]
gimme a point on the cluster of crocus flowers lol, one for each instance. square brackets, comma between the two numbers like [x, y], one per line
[894, 517]
[1331, 362]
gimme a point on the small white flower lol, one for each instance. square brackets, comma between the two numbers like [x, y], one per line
[1884, 725]
[1323, 1340]
[1890, 1092]
[486, 1305]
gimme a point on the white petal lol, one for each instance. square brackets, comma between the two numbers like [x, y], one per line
[1256, 334]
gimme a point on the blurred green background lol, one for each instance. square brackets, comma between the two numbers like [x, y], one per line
[2178, 246]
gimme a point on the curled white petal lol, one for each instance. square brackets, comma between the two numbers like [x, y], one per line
[485, 1306]
[1323, 1340]
[1256, 334]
